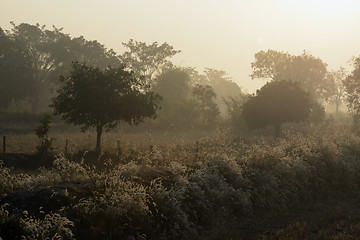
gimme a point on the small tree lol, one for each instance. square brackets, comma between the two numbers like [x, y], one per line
[101, 99]
[276, 103]
[42, 132]
[205, 96]
[352, 87]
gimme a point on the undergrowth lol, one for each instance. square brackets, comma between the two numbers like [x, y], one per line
[173, 193]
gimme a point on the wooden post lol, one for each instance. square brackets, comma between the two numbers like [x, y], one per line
[4, 144]
[118, 147]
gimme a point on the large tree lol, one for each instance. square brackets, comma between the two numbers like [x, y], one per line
[204, 95]
[177, 108]
[51, 53]
[276, 103]
[306, 69]
[352, 86]
[336, 83]
[147, 60]
[100, 99]
[15, 71]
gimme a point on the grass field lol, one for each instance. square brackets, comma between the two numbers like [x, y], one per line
[304, 185]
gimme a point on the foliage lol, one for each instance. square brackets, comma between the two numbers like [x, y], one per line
[174, 87]
[337, 78]
[305, 68]
[42, 131]
[205, 96]
[15, 71]
[101, 99]
[352, 85]
[230, 184]
[147, 60]
[37, 56]
[52, 226]
[234, 107]
[276, 103]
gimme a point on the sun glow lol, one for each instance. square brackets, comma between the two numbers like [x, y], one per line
[330, 10]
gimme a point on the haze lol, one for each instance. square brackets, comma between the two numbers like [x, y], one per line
[223, 35]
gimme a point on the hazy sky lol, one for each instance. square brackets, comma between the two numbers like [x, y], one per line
[223, 35]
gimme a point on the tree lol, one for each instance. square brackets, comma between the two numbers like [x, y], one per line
[147, 60]
[205, 96]
[352, 86]
[276, 103]
[306, 69]
[223, 86]
[177, 108]
[51, 53]
[336, 82]
[15, 71]
[100, 99]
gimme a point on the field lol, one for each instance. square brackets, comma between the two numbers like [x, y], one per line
[162, 185]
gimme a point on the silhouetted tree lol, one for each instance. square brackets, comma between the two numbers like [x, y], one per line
[336, 82]
[305, 68]
[205, 96]
[147, 60]
[234, 107]
[174, 86]
[100, 99]
[51, 53]
[352, 86]
[223, 87]
[15, 71]
[276, 103]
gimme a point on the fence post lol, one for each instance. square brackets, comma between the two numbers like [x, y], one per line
[118, 147]
[4, 144]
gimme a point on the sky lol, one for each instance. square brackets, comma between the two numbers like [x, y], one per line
[223, 35]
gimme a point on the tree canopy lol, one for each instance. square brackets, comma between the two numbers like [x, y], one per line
[91, 97]
[352, 86]
[16, 71]
[276, 103]
[205, 96]
[147, 60]
[306, 69]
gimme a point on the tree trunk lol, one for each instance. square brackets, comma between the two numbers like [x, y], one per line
[98, 138]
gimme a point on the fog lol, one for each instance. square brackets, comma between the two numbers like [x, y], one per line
[179, 119]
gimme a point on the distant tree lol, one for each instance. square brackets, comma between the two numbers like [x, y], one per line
[352, 86]
[223, 86]
[100, 99]
[276, 103]
[177, 107]
[51, 53]
[234, 107]
[147, 60]
[205, 96]
[336, 82]
[15, 71]
[306, 69]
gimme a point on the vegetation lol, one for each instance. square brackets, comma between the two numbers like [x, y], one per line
[170, 194]
[101, 99]
[206, 168]
[276, 103]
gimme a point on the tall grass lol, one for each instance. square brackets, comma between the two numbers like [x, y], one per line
[171, 193]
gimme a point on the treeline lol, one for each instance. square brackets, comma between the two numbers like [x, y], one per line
[34, 57]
